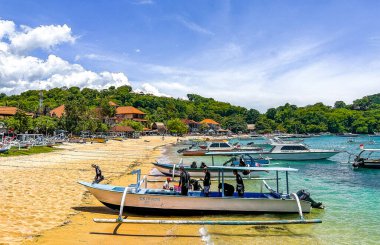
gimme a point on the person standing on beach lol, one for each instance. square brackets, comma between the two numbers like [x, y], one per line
[184, 181]
[98, 174]
[239, 183]
[206, 182]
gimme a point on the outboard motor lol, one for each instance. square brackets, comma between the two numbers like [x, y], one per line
[304, 195]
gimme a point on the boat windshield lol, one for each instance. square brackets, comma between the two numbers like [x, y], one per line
[294, 148]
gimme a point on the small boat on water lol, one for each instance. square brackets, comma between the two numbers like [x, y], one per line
[5, 148]
[347, 135]
[173, 170]
[289, 151]
[217, 147]
[138, 199]
[366, 160]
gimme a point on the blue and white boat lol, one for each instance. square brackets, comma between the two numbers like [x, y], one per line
[138, 198]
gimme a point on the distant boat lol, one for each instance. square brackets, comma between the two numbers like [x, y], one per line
[290, 151]
[5, 148]
[347, 135]
[364, 159]
[217, 147]
[168, 168]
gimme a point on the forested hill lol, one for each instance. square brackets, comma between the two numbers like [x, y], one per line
[363, 116]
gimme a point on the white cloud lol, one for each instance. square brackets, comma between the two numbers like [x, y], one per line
[147, 88]
[44, 37]
[6, 27]
[20, 72]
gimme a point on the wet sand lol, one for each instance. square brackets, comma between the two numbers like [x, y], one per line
[42, 202]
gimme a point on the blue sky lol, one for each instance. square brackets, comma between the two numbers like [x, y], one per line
[257, 54]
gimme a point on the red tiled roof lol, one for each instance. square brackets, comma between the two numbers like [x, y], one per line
[58, 112]
[119, 128]
[128, 110]
[209, 121]
[6, 110]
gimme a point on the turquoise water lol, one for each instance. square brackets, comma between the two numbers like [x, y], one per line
[351, 197]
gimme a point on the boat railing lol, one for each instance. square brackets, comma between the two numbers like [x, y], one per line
[294, 195]
[264, 183]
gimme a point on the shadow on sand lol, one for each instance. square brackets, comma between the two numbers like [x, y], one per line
[96, 209]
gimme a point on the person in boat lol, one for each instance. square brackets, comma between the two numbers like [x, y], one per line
[203, 165]
[98, 174]
[167, 184]
[241, 162]
[228, 189]
[239, 183]
[193, 164]
[184, 181]
[195, 185]
[206, 182]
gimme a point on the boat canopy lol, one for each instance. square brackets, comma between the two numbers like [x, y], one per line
[371, 150]
[253, 168]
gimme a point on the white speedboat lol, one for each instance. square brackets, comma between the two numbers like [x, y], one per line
[289, 151]
[138, 199]
[218, 147]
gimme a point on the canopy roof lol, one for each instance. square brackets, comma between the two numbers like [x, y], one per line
[209, 121]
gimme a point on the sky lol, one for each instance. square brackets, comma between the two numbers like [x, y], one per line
[257, 54]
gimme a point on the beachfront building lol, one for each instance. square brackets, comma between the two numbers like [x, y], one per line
[211, 124]
[159, 128]
[10, 111]
[58, 112]
[124, 131]
[130, 113]
[192, 125]
[7, 111]
[251, 128]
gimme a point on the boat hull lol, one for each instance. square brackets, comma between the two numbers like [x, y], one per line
[174, 203]
[296, 156]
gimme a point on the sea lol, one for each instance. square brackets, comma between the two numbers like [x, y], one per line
[351, 198]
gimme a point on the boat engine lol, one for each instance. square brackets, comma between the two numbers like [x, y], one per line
[304, 195]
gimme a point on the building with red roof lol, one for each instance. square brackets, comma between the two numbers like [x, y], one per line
[58, 112]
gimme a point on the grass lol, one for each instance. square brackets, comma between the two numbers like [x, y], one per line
[14, 151]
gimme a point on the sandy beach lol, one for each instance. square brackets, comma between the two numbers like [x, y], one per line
[42, 202]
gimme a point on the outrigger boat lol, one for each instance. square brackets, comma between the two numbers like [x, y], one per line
[138, 199]
[364, 159]
[170, 169]
[4, 148]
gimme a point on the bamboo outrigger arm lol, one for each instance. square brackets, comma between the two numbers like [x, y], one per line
[212, 222]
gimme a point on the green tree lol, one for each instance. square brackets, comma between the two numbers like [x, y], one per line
[176, 126]
[133, 124]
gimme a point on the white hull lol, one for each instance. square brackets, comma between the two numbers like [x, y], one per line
[296, 156]
[197, 204]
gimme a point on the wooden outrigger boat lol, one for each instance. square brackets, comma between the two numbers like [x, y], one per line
[173, 169]
[138, 199]
[364, 159]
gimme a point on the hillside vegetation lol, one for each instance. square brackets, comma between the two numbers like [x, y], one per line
[363, 116]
